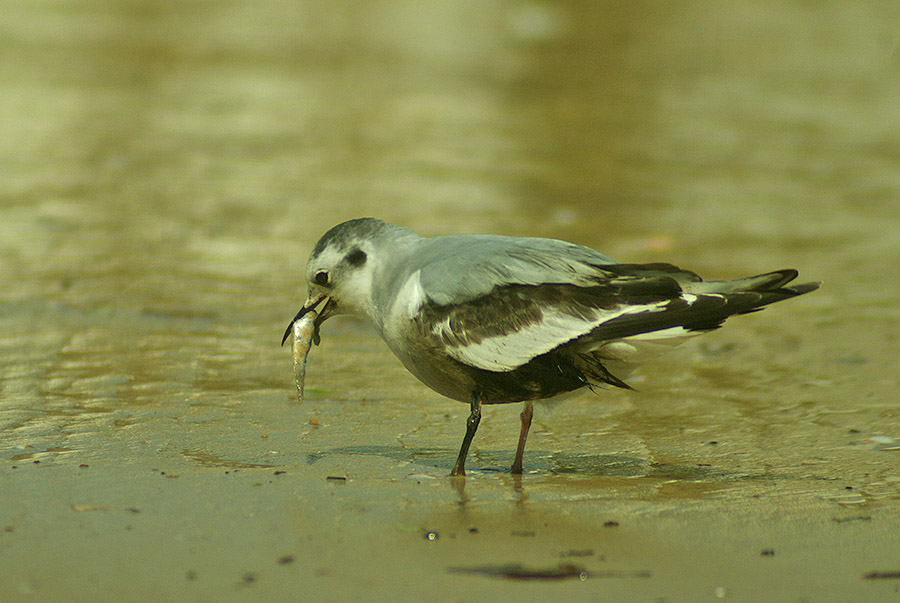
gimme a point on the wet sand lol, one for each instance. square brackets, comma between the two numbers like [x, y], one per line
[167, 170]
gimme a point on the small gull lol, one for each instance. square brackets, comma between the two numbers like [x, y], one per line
[488, 319]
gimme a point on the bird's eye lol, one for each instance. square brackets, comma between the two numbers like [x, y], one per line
[321, 278]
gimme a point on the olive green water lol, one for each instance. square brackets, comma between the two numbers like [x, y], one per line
[165, 169]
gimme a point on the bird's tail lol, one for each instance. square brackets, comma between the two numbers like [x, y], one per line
[771, 287]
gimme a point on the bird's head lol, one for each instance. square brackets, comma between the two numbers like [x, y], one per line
[341, 269]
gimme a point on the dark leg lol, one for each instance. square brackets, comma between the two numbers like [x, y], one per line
[526, 415]
[471, 427]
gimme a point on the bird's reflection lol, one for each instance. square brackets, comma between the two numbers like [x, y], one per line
[458, 483]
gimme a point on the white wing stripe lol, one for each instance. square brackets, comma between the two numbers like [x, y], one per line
[509, 351]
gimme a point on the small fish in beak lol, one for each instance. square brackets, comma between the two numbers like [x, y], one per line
[305, 328]
[306, 331]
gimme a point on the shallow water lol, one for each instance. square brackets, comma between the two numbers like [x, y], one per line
[167, 169]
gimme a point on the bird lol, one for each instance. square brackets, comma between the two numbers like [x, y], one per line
[490, 319]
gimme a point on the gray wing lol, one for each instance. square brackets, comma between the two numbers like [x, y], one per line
[462, 268]
[497, 302]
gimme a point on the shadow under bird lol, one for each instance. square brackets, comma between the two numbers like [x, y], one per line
[488, 319]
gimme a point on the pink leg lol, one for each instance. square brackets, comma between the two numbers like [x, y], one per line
[526, 415]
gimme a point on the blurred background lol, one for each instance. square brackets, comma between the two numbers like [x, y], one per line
[166, 167]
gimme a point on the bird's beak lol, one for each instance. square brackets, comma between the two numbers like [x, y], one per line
[309, 306]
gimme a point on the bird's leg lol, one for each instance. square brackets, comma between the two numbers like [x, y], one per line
[526, 415]
[471, 427]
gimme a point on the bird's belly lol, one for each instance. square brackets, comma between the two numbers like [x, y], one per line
[447, 376]
[437, 370]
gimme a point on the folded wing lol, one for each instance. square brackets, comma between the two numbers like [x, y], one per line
[604, 306]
